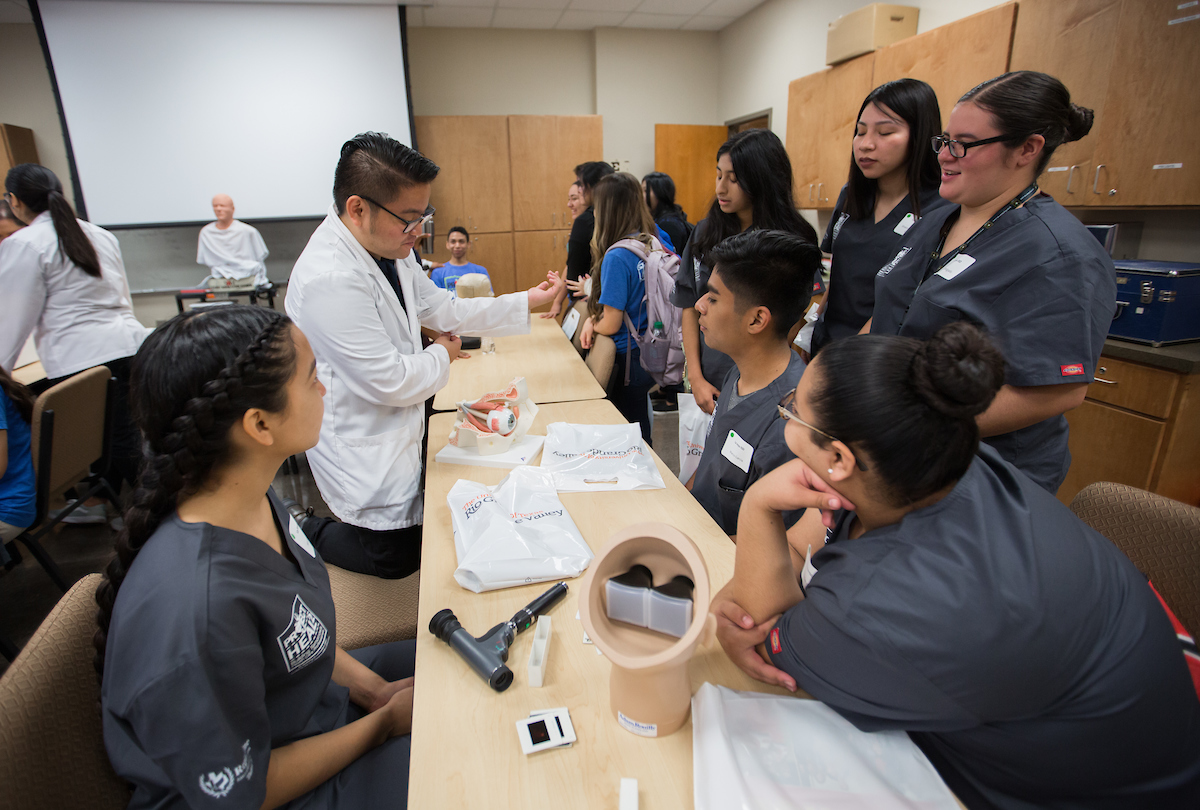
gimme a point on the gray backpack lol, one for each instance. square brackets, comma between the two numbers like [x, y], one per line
[661, 345]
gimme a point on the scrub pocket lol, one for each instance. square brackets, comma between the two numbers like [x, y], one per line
[378, 471]
[925, 317]
[729, 499]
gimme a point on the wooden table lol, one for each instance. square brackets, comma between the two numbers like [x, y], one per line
[544, 357]
[29, 374]
[465, 752]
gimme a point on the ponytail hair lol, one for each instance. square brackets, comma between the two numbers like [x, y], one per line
[39, 190]
[21, 396]
[190, 383]
[909, 405]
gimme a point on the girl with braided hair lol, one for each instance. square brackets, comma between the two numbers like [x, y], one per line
[222, 681]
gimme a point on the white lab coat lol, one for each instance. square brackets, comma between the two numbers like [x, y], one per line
[78, 321]
[377, 377]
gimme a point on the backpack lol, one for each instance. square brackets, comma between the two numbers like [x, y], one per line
[661, 345]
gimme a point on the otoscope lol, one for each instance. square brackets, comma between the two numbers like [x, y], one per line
[487, 654]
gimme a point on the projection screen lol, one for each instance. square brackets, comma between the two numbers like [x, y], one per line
[167, 104]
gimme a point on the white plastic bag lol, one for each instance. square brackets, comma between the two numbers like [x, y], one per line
[804, 336]
[693, 430]
[599, 458]
[768, 751]
[514, 533]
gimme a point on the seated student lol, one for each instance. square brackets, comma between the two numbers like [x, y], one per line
[759, 287]
[458, 242]
[953, 597]
[230, 248]
[222, 684]
[17, 492]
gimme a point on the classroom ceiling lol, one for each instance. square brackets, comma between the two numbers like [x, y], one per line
[578, 15]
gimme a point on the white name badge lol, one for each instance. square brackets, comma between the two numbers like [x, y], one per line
[299, 538]
[571, 323]
[904, 224]
[806, 573]
[738, 451]
[956, 265]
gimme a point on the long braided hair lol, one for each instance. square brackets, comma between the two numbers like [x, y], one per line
[190, 382]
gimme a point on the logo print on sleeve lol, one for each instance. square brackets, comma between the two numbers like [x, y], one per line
[1072, 370]
[890, 266]
[218, 783]
[305, 639]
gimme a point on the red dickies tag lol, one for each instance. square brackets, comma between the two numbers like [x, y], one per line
[1073, 370]
[776, 647]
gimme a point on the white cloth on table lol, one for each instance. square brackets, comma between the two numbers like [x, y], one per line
[236, 252]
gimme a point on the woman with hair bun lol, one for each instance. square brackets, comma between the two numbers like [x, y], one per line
[64, 282]
[953, 598]
[222, 684]
[1011, 260]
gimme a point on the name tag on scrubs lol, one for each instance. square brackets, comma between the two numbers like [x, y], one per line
[738, 451]
[905, 224]
[806, 573]
[299, 538]
[956, 265]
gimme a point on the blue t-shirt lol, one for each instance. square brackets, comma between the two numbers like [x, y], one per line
[447, 275]
[17, 493]
[623, 287]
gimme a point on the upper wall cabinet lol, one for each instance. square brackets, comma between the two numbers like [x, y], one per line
[474, 188]
[545, 150]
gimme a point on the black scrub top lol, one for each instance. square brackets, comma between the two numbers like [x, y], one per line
[720, 484]
[1020, 649]
[579, 245]
[676, 228]
[1042, 287]
[219, 650]
[859, 248]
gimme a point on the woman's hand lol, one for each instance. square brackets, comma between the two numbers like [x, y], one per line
[397, 711]
[545, 292]
[706, 394]
[576, 286]
[740, 638]
[589, 331]
[794, 486]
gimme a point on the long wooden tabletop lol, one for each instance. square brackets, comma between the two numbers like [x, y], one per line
[465, 752]
[544, 357]
[31, 373]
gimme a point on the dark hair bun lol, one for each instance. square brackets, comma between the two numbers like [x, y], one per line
[1079, 122]
[958, 371]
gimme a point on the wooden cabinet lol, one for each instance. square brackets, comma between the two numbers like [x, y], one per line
[538, 253]
[1140, 426]
[688, 152]
[16, 147]
[822, 113]
[474, 188]
[544, 151]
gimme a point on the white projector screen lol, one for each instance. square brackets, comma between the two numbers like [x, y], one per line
[169, 103]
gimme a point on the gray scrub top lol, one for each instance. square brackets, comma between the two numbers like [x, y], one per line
[720, 484]
[1042, 287]
[859, 248]
[219, 650]
[1020, 649]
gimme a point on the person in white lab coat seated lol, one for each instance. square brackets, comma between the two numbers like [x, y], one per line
[230, 248]
[361, 297]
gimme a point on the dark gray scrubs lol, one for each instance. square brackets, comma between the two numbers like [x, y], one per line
[720, 484]
[219, 650]
[860, 247]
[1042, 287]
[1019, 648]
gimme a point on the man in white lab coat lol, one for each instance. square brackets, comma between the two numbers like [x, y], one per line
[361, 298]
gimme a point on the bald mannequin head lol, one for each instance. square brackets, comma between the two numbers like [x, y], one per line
[222, 206]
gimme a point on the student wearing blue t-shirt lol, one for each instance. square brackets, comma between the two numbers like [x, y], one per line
[447, 276]
[17, 496]
[621, 213]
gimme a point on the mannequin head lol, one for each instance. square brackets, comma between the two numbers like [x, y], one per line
[222, 206]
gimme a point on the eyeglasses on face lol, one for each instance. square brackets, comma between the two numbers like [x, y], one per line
[959, 149]
[410, 225]
[787, 409]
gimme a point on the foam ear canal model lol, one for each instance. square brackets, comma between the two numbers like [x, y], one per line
[632, 598]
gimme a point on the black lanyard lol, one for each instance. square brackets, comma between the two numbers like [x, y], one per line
[1016, 202]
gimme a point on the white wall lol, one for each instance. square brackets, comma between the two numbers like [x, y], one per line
[27, 99]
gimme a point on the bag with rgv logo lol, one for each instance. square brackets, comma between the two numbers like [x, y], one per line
[514, 533]
[599, 458]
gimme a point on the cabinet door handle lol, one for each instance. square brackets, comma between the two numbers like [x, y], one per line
[1070, 175]
[1106, 382]
[553, 219]
[819, 195]
[810, 187]
[1096, 179]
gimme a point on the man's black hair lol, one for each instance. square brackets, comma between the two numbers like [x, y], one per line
[768, 268]
[376, 166]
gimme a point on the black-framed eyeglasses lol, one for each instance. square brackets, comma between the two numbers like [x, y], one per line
[787, 409]
[959, 149]
[410, 225]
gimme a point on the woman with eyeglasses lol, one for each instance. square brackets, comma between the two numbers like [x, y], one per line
[893, 183]
[64, 282]
[1012, 260]
[951, 597]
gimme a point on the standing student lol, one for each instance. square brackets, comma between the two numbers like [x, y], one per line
[458, 242]
[619, 290]
[1010, 259]
[18, 494]
[660, 199]
[579, 243]
[953, 598]
[894, 180]
[759, 287]
[64, 281]
[221, 681]
[753, 190]
[361, 298]
[575, 202]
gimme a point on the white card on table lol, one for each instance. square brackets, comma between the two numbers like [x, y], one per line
[571, 323]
